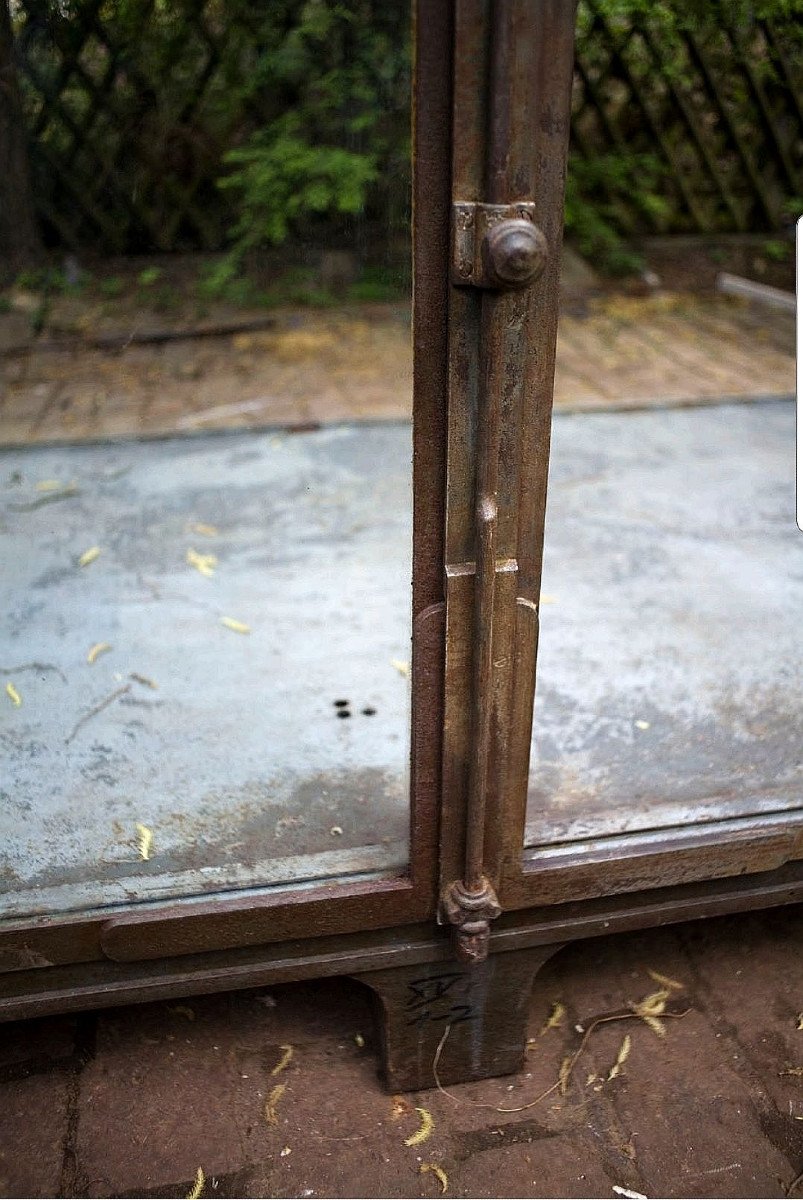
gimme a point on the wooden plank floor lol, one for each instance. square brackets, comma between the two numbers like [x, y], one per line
[322, 367]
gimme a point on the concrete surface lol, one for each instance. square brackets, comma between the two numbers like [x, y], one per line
[670, 672]
[241, 763]
[132, 1102]
[671, 663]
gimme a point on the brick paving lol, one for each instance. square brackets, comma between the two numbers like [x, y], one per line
[130, 1102]
[356, 365]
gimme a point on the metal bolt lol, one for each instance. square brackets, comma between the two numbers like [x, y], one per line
[514, 252]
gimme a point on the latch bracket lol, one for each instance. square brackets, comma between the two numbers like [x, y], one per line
[496, 245]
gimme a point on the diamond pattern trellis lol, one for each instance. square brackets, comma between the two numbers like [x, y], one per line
[131, 106]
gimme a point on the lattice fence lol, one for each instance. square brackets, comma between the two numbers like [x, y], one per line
[131, 106]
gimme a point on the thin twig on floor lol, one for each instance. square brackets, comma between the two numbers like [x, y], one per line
[34, 666]
[565, 1073]
[49, 498]
[93, 712]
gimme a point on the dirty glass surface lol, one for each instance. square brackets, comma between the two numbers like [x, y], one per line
[670, 680]
[205, 473]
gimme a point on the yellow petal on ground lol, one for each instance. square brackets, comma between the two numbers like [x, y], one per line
[425, 1131]
[401, 666]
[205, 563]
[13, 695]
[196, 1189]
[144, 841]
[96, 651]
[48, 485]
[641, 724]
[438, 1172]
[237, 626]
[89, 556]
[205, 530]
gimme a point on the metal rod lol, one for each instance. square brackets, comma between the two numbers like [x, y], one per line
[489, 427]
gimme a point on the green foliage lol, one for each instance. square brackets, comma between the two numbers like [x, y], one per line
[599, 194]
[226, 124]
[149, 276]
[283, 178]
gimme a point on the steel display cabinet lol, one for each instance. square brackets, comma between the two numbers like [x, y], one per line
[457, 939]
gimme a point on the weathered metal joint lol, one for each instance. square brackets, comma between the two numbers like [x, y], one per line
[470, 913]
[496, 245]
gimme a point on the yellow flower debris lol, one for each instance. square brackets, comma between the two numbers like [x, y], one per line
[204, 563]
[144, 841]
[198, 1186]
[665, 980]
[621, 1059]
[424, 1132]
[438, 1172]
[273, 1099]
[48, 485]
[205, 530]
[564, 1073]
[145, 680]
[555, 1019]
[651, 1008]
[96, 651]
[13, 695]
[284, 1061]
[237, 626]
[89, 556]
[402, 667]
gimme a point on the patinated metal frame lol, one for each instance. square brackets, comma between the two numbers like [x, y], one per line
[491, 130]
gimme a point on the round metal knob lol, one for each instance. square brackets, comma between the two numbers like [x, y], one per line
[515, 252]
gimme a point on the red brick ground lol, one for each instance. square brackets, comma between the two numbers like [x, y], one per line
[130, 1102]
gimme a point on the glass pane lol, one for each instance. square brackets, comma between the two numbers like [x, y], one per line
[669, 676]
[206, 479]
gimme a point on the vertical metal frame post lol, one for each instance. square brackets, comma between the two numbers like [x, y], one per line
[512, 85]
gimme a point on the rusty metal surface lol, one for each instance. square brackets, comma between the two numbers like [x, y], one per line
[506, 86]
[239, 762]
[670, 677]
